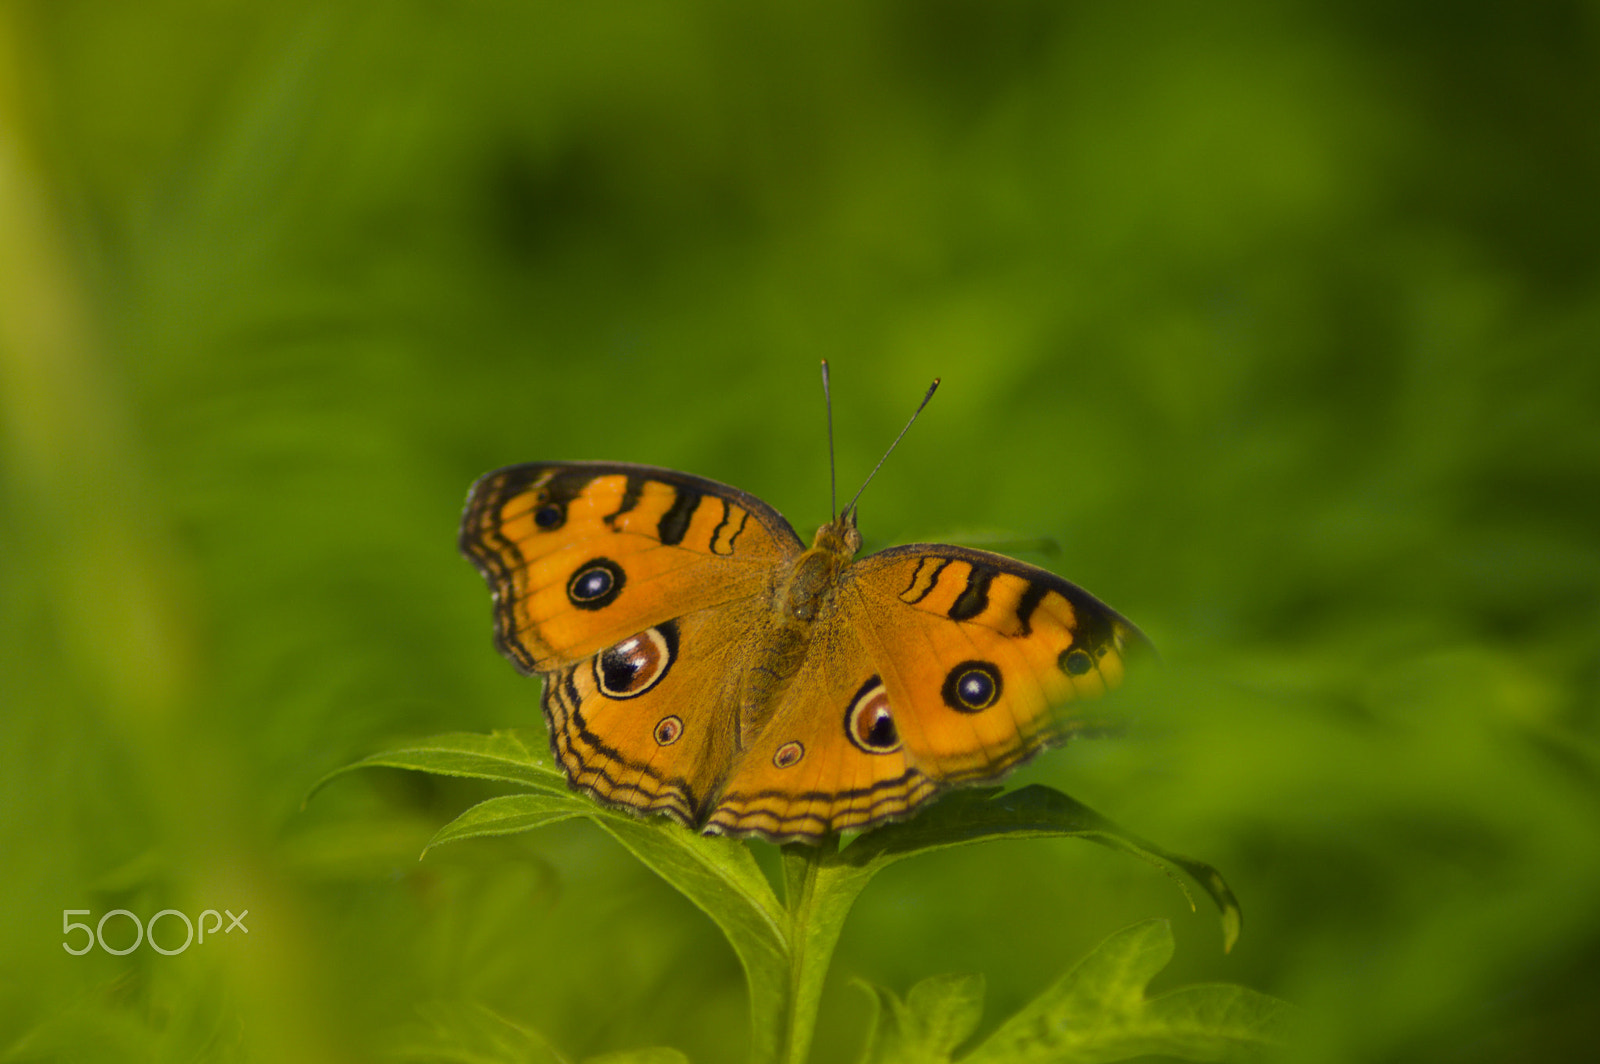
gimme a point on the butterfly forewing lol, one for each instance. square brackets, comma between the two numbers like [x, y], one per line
[987, 654]
[582, 555]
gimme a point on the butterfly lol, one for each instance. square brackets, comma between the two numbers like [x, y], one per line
[700, 661]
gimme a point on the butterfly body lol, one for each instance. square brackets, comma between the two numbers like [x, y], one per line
[699, 661]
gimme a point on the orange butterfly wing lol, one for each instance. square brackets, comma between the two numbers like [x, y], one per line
[541, 534]
[818, 766]
[649, 722]
[632, 591]
[1007, 645]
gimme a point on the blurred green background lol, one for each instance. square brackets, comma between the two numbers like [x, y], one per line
[1282, 320]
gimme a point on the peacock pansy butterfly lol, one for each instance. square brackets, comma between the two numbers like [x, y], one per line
[701, 662]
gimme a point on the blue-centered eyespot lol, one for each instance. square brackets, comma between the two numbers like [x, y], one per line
[972, 686]
[596, 584]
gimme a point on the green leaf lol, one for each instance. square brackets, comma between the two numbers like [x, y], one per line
[947, 1009]
[983, 814]
[507, 756]
[937, 1016]
[822, 883]
[1098, 1012]
[722, 878]
[511, 814]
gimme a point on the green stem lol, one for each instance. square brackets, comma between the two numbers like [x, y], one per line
[800, 865]
[817, 908]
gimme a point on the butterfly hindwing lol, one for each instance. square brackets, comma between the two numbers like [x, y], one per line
[825, 761]
[645, 723]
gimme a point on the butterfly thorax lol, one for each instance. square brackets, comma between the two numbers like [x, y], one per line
[802, 596]
[816, 571]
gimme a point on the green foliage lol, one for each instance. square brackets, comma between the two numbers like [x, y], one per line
[1097, 1012]
[786, 945]
[938, 1014]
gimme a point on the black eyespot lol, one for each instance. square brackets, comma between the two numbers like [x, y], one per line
[869, 721]
[1075, 661]
[633, 666]
[596, 584]
[668, 731]
[789, 754]
[972, 686]
[550, 515]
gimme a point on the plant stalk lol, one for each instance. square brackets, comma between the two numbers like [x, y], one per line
[813, 933]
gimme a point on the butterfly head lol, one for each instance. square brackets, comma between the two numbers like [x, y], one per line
[839, 536]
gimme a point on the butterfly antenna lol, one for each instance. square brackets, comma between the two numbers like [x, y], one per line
[833, 469]
[851, 509]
